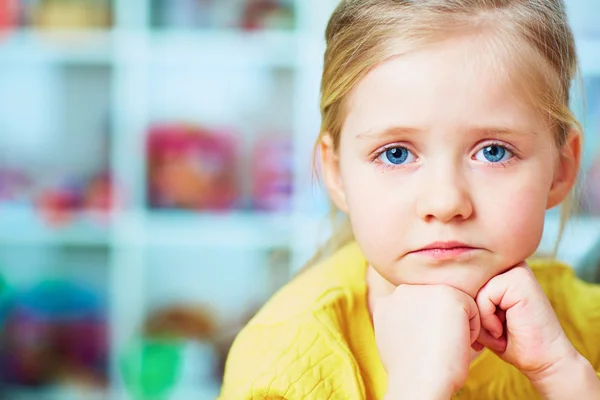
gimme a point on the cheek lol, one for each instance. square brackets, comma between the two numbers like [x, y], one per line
[515, 220]
[376, 203]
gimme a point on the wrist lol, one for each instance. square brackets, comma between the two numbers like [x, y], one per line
[416, 390]
[574, 377]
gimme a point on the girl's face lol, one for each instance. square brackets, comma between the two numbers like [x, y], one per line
[441, 150]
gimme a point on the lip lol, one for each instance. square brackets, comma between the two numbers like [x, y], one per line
[444, 250]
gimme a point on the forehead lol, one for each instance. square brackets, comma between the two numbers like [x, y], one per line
[466, 80]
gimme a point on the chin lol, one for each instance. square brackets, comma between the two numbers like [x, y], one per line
[466, 277]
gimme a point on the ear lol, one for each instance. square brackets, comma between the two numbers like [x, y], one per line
[567, 169]
[330, 169]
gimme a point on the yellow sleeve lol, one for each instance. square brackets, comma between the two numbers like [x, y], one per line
[577, 305]
[290, 361]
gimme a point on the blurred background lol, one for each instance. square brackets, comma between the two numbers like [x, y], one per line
[156, 184]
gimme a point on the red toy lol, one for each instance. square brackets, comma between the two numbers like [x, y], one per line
[191, 168]
[59, 204]
[9, 11]
[266, 14]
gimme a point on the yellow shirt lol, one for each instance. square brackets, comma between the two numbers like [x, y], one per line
[314, 339]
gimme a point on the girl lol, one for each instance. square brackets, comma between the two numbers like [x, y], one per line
[446, 135]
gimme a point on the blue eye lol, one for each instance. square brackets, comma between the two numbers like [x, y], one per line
[494, 154]
[396, 156]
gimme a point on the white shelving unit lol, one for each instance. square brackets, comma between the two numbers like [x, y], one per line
[131, 50]
[23, 226]
[91, 47]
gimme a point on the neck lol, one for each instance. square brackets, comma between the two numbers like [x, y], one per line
[377, 287]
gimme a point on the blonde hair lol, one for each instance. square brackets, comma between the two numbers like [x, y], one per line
[363, 33]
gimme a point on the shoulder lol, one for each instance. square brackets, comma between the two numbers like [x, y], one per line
[323, 288]
[549, 268]
[576, 304]
[566, 291]
[290, 360]
[559, 280]
[294, 347]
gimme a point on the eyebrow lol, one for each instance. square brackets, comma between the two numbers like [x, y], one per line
[388, 131]
[500, 131]
[480, 130]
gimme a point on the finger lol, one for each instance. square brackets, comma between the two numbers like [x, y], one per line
[474, 326]
[487, 311]
[497, 345]
[474, 319]
[477, 346]
[503, 290]
[501, 315]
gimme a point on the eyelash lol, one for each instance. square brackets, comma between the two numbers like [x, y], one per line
[378, 153]
[508, 147]
[503, 164]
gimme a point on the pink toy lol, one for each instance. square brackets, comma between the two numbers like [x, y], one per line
[272, 170]
[191, 168]
[14, 186]
[591, 191]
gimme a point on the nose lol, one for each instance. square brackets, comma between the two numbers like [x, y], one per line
[445, 197]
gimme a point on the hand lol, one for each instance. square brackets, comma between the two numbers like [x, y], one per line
[424, 336]
[519, 324]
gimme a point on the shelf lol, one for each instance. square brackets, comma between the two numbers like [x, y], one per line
[271, 48]
[274, 49]
[68, 46]
[53, 393]
[206, 392]
[24, 226]
[228, 230]
[236, 230]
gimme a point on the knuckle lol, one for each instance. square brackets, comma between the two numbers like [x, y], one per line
[445, 291]
[523, 275]
[451, 298]
[484, 294]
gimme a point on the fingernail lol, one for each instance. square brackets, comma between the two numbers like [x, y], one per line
[501, 347]
[477, 346]
[496, 334]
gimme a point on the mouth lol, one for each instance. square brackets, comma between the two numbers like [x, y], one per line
[445, 250]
